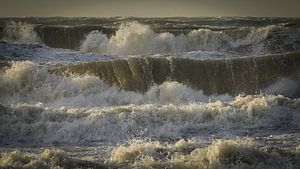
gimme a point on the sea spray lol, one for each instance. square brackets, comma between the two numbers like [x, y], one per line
[20, 32]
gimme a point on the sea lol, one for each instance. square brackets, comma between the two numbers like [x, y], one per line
[150, 93]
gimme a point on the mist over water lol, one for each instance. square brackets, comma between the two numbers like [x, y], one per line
[149, 93]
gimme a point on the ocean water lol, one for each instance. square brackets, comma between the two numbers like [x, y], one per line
[203, 93]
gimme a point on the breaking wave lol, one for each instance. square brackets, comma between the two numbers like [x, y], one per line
[40, 107]
[213, 76]
[20, 32]
[134, 38]
[28, 82]
[72, 108]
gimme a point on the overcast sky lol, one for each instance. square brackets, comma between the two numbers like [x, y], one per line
[150, 8]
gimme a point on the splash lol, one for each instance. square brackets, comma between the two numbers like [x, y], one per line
[20, 32]
[134, 39]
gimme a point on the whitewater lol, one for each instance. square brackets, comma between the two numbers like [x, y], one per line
[201, 93]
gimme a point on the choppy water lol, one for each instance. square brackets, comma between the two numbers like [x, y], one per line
[150, 93]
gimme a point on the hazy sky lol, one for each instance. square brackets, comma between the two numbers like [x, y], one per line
[149, 8]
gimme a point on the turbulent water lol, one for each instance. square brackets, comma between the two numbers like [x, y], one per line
[201, 93]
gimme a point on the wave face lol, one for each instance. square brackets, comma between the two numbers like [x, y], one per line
[212, 76]
[201, 93]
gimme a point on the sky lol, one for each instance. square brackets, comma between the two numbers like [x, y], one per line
[150, 8]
